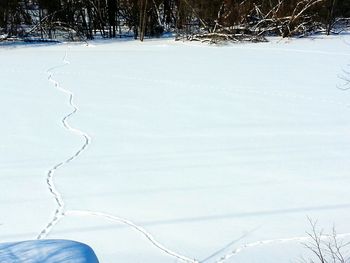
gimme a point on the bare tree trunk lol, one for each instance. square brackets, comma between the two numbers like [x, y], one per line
[158, 13]
[141, 17]
[144, 20]
[330, 18]
[40, 18]
[6, 20]
[112, 10]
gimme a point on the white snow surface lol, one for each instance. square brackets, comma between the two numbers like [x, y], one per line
[206, 150]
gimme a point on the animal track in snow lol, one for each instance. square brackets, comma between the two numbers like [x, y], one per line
[60, 212]
[139, 229]
[271, 241]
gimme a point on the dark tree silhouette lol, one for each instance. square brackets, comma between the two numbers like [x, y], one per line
[227, 19]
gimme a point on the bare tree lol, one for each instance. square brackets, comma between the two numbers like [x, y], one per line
[205, 20]
[326, 248]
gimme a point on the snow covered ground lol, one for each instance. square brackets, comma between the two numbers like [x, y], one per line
[208, 148]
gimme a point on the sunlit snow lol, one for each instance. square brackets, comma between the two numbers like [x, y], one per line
[206, 148]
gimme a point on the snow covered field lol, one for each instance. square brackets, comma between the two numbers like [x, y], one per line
[207, 148]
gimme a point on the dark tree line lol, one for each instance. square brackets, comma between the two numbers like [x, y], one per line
[87, 19]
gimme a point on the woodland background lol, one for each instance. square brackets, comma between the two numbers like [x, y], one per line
[89, 19]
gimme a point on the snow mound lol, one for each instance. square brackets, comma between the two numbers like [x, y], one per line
[47, 251]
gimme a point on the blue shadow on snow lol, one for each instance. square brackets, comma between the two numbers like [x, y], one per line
[48, 251]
